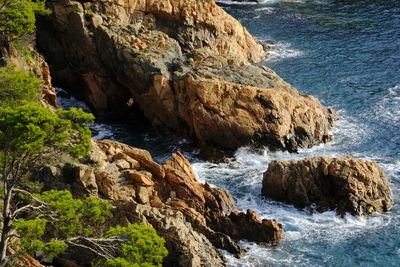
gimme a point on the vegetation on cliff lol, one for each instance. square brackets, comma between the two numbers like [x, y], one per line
[48, 223]
[17, 86]
[17, 17]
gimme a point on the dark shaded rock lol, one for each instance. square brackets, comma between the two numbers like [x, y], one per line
[249, 226]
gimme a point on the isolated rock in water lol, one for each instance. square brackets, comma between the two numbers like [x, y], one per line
[345, 184]
[186, 64]
[196, 219]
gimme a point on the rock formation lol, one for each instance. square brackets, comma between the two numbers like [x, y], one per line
[195, 219]
[24, 260]
[186, 64]
[345, 184]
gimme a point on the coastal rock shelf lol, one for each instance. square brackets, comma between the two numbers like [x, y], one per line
[195, 219]
[186, 64]
[345, 184]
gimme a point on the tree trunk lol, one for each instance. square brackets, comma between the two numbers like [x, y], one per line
[5, 229]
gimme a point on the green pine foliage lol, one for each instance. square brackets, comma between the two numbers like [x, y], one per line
[32, 128]
[32, 231]
[17, 86]
[17, 17]
[75, 217]
[142, 246]
[79, 145]
[64, 217]
[71, 218]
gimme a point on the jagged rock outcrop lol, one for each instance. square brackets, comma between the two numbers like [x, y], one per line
[186, 246]
[186, 64]
[345, 184]
[196, 219]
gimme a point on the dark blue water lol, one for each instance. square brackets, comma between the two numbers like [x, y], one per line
[346, 53]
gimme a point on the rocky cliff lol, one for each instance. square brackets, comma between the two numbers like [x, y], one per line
[195, 219]
[186, 64]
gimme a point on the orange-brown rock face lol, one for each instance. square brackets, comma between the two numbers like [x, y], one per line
[205, 25]
[188, 65]
[195, 218]
[345, 184]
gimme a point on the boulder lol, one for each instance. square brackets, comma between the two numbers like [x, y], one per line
[141, 177]
[186, 64]
[344, 184]
[86, 180]
[249, 226]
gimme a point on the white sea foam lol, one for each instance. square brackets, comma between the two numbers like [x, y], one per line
[247, 166]
[264, 2]
[103, 131]
[269, 2]
[283, 50]
[65, 100]
[388, 108]
[303, 234]
[242, 175]
[227, 2]
[265, 10]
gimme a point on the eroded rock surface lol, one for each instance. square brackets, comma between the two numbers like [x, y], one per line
[345, 184]
[196, 219]
[188, 65]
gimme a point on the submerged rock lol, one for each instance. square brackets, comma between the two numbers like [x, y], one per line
[196, 219]
[186, 64]
[344, 184]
